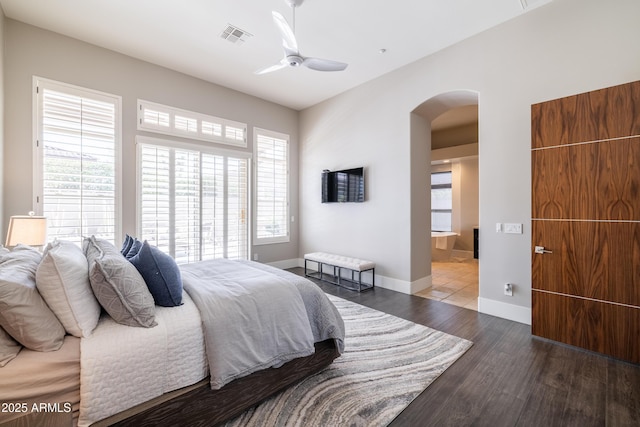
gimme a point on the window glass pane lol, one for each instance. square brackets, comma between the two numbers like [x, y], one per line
[272, 191]
[441, 201]
[156, 118]
[187, 206]
[213, 209]
[164, 119]
[194, 203]
[234, 133]
[441, 221]
[213, 129]
[155, 210]
[237, 202]
[78, 136]
[186, 124]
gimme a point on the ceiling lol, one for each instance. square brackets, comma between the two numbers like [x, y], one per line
[184, 35]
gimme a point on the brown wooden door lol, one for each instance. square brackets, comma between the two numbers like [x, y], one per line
[585, 164]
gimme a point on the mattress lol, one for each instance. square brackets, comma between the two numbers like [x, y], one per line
[124, 366]
[39, 378]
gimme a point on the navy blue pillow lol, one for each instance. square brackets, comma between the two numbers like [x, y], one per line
[128, 241]
[161, 273]
[134, 249]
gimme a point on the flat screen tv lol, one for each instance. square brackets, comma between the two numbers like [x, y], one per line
[343, 186]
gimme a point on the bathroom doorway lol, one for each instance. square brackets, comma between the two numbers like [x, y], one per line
[454, 207]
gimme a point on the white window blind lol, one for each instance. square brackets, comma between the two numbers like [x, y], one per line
[193, 204]
[272, 187]
[158, 118]
[77, 161]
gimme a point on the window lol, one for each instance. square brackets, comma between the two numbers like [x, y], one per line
[441, 201]
[192, 203]
[271, 223]
[77, 181]
[167, 120]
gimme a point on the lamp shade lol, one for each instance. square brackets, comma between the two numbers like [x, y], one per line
[27, 229]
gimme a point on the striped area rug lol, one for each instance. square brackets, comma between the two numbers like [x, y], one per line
[387, 362]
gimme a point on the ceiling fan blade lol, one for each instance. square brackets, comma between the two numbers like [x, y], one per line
[289, 42]
[319, 64]
[282, 64]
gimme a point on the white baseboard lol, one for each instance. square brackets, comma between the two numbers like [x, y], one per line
[384, 282]
[402, 285]
[287, 263]
[513, 312]
[462, 254]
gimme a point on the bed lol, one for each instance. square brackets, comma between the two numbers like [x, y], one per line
[204, 360]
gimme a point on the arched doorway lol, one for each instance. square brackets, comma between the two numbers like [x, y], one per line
[444, 145]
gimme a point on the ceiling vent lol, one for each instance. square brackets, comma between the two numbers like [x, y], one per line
[235, 34]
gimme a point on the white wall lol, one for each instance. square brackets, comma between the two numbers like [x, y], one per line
[560, 49]
[468, 214]
[32, 51]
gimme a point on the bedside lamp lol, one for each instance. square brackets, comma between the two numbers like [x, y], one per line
[29, 230]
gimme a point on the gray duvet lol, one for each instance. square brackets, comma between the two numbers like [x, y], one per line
[256, 316]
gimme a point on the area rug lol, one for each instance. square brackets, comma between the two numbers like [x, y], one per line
[387, 363]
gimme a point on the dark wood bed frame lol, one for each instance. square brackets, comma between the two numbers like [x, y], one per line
[199, 405]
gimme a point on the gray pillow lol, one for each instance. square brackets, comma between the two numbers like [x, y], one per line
[62, 279]
[9, 348]
[117, 285]
[23, 312]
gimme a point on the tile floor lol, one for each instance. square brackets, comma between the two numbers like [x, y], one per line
[454, 282]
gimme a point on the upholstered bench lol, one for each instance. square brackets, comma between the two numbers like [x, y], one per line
[339, 262]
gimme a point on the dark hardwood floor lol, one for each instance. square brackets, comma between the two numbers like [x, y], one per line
[509, 377]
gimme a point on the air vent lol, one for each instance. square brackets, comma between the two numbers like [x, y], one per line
[235, 34]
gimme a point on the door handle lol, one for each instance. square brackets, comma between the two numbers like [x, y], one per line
[541, 250]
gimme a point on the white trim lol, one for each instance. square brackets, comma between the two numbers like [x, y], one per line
[287, 263]
[172, 143]
[172, 146]
[40, 82]
[517, 313]
[270, 240]
[198, 117]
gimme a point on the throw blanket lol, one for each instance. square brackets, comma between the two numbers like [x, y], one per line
[256, 316]
[123, 366]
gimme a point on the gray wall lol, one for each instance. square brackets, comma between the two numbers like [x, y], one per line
[562, 48]
[2, 112]
[32, 51]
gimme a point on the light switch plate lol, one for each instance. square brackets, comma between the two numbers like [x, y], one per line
[511, 228]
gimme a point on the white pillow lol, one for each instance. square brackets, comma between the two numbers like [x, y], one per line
[62, 279]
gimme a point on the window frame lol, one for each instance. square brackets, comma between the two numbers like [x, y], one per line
[39, 83]
[142, 140]
[442, 186]
[171, 129]
[287, 236]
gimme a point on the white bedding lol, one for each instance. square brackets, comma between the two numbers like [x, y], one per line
[123, 366]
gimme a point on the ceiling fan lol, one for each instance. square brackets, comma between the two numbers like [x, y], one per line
[292, 55]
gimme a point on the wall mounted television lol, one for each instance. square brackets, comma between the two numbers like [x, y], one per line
[343, 186]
